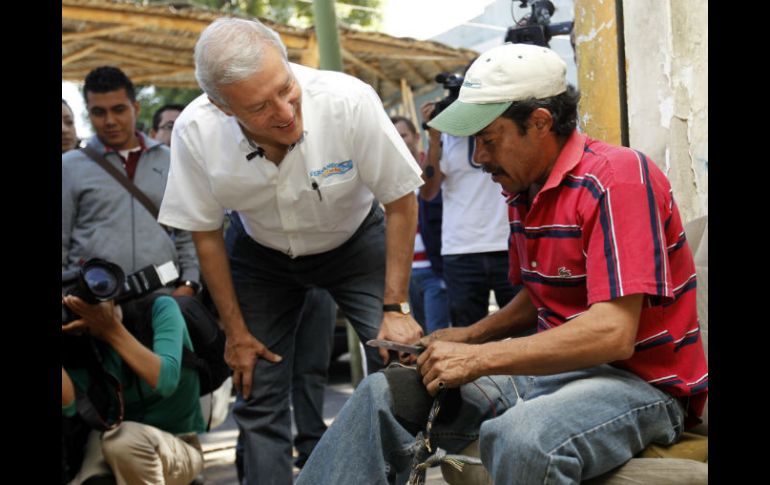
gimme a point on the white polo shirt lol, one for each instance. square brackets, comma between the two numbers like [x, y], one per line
[317, 197]
[475, 215]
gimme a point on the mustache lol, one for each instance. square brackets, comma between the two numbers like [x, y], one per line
[493, 169]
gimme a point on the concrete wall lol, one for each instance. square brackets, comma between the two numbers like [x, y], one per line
[666, 48]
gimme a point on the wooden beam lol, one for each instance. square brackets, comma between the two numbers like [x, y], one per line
[400, 56]
[366, 67]
[309, 56]
[166, 57]
[159, 39]
[375, 41]
[143, 62]
[136, 17]
[69, 36]
[408, 68]
[79, 54]
[154, 78]
[408, 101]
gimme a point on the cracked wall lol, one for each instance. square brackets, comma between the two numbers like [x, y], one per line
[666, 48]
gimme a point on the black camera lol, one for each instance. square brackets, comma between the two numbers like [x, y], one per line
[452, 83]
[98, 280]
[536, 28]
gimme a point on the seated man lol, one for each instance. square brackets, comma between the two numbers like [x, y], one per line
[157, 440]
[597, 241]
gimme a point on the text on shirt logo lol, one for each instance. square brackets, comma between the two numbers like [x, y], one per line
[333, 168]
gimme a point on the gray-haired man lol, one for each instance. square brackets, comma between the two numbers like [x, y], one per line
[301, 158]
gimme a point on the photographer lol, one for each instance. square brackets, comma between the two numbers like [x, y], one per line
[474, 232]
[102, 217]
[157, 440]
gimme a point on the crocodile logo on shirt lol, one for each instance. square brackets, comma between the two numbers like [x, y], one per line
[564, 272]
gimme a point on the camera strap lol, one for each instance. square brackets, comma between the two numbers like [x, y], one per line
[122, 179]
[94, 406]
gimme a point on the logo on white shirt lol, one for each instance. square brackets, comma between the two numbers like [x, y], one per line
[333, 168]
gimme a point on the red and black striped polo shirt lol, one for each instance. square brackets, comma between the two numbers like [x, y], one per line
[605, 225]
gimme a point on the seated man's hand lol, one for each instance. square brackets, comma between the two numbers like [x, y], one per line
[448, 364]
[451, 334]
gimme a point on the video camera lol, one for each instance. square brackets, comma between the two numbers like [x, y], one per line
[98, 280]
[451, 82]
[536, 28]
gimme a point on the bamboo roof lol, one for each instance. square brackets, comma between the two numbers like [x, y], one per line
[153, 44]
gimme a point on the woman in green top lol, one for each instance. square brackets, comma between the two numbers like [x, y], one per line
[156, 443]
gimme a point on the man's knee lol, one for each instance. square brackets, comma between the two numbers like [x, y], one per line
[514, 433]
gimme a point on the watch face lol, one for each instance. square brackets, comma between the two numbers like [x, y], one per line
[405, 308]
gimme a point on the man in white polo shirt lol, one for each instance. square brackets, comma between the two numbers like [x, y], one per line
[301, 157]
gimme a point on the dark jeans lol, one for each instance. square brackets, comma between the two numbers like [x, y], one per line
[271, 288]
[469, 278]
[312, 354]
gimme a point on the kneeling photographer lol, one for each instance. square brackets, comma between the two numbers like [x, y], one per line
[154, 413]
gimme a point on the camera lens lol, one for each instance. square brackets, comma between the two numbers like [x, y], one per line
[103, 280]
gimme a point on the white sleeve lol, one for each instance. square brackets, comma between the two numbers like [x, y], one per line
[384, 162]
[188, 202]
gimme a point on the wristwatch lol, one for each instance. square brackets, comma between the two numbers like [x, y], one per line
[402, 307]
[196, 287]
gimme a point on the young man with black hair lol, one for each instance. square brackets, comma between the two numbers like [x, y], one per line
[302, 159]
[100, 218]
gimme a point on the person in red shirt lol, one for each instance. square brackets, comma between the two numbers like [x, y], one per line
[597, 241]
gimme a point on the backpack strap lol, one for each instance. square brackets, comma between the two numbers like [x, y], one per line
[121, 179]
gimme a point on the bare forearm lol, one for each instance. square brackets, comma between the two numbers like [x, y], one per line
[216, 271]
[143, 361]
[67, 388]
[515, 317]
[604, 334]
[401, 225]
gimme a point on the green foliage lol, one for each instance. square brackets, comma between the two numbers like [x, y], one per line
[298, 13]
[151, 98]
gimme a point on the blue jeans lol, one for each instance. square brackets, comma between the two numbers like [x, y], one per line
[469, 278]
[271, 288]
[557, 429]
[428, 299]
